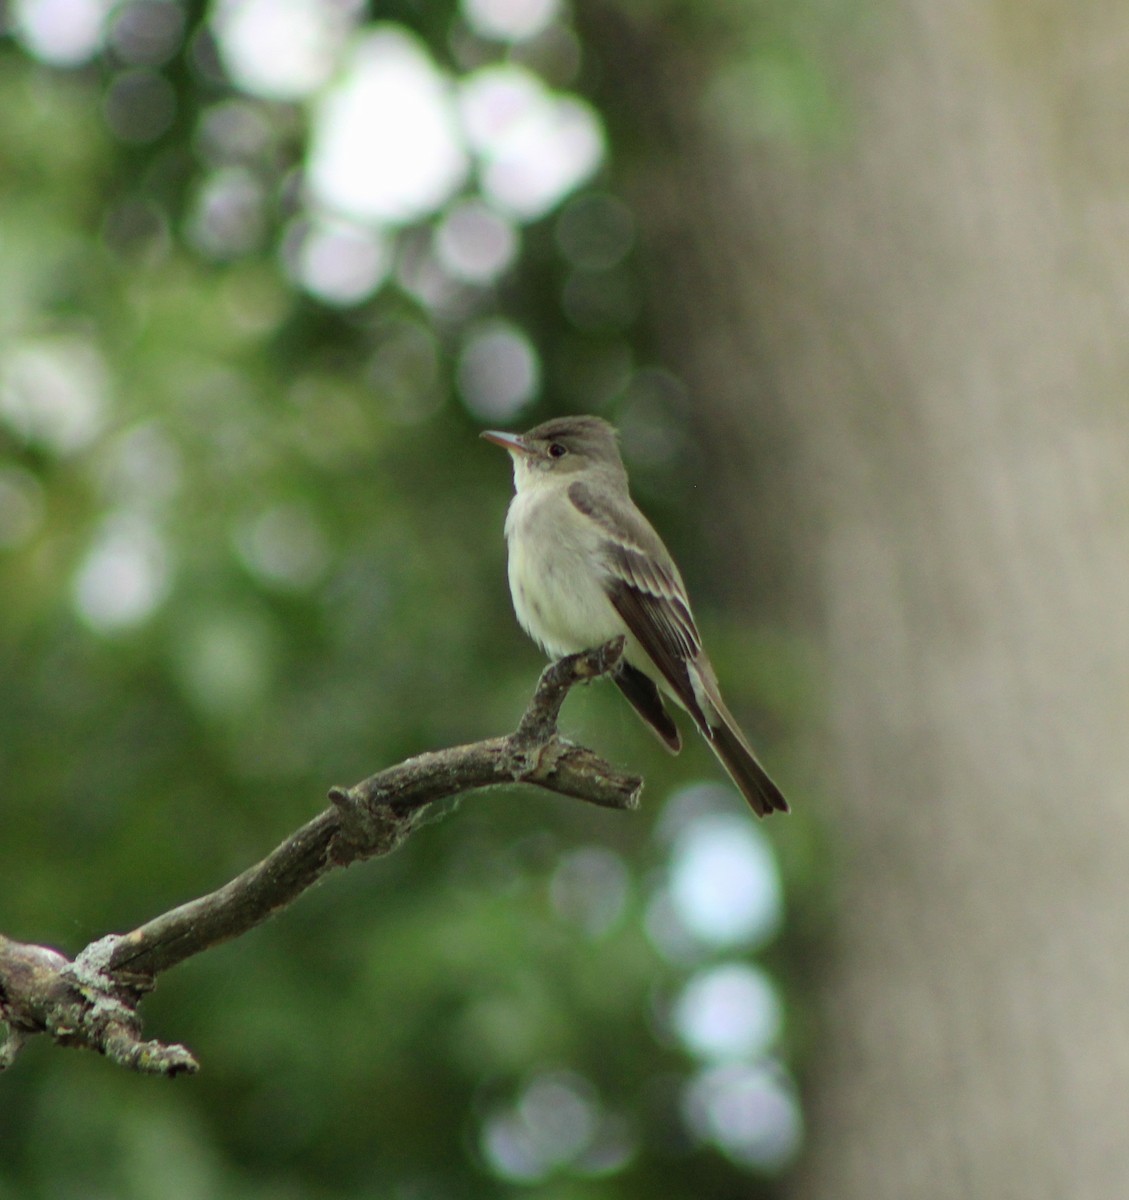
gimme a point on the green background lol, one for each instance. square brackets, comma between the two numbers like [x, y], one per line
[327, 532]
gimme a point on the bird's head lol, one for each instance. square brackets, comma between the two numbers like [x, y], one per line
[559, 447]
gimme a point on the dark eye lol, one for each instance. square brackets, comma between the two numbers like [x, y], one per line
[556, 450]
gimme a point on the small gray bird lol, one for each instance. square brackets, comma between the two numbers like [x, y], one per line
[585, 566]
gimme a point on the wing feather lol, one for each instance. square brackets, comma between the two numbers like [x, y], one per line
[644, 587]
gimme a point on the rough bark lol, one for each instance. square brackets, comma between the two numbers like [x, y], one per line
[913, 341]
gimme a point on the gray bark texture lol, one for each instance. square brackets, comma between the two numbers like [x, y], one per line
[908, 346]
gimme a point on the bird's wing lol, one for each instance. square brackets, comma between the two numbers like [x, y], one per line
[646, 590]
[644, 587]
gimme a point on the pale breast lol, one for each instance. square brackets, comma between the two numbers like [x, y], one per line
[554, 575]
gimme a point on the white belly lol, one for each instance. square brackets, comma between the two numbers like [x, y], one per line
[557, 592]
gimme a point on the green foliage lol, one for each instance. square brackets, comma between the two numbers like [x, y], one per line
[251, 547]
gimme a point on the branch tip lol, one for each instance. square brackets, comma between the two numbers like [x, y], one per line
[124, 1048]
[93, 1001]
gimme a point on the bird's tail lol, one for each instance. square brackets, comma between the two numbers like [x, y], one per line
[726, 740]
[751, 778]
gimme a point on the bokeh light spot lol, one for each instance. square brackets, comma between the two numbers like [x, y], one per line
[281, 49]
[234, 132]
[510, 20]
[140, 106]
[125, 574]
[225, 661]
[728, 1011]
[137, 229]
[147, 32]
[285, 546]
[554, 1122]
[227, 219]
[474, 243]
[536, 145]
[510, 1149]
[141, 468]
[559, 1109]
[499, 372]
[338, 261]
[384, 146]
[724, 884]
[53, 392]
[62, 32]
[749, 1111]
[595, 231]
[590, 887]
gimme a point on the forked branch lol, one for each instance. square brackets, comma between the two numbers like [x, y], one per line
[93, 1000]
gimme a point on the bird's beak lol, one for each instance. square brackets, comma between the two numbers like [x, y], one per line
[512, 442]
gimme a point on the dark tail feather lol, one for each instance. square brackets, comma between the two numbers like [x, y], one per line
[645, 699]
[750, 777]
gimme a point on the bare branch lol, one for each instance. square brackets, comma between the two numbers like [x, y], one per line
[93, 1001]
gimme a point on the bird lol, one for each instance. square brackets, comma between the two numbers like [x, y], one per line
[585, 566]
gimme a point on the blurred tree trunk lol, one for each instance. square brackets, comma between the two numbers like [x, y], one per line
[916, 342]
